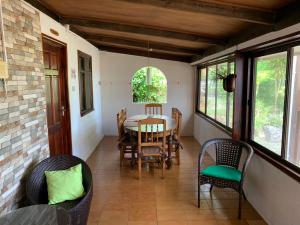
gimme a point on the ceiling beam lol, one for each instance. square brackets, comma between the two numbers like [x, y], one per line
[40, 6]
[141, 44]
[140, 30]
[287, 16]
[226, 10]
[144, 53]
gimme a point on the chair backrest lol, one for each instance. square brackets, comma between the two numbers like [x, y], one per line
[121, 117]
[177, 116]
[153, 109]
[151, 133]
[36, 186]
[228, 152]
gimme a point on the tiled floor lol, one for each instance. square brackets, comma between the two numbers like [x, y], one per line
[121, 199]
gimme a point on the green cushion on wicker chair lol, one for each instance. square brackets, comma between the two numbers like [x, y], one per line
[223, 172]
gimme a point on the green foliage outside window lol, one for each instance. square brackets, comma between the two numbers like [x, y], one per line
[154, 92]
[269, 100]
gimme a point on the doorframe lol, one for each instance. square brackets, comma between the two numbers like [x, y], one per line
[64, 61]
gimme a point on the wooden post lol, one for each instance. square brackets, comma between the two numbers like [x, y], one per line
[240, 98]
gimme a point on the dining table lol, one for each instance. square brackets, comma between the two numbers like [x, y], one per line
[131, 125]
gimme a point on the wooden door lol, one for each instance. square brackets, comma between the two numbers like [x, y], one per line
[58, 115]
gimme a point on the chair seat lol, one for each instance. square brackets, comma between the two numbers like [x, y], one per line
[151, 151]
[222, 172]
[67, 205]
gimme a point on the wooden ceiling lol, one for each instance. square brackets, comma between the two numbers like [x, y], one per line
[172, 29]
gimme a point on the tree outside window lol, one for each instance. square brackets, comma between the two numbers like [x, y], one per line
[151, 89]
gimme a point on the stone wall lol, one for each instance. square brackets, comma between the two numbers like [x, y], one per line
[23, 126]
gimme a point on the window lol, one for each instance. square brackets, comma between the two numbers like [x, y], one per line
[149, 85]
[268, 103]
[85, 83]
[213, 100]
[275, 121]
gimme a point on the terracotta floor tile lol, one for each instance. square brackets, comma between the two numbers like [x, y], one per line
[121, 199]
[199, 214]
[142, 214]
[92, 223]
[142, 223]
[256, 222]
[113, 222]
[173, 222]
[231, 222]
[114, 215]
[171, 215]
[203, 222]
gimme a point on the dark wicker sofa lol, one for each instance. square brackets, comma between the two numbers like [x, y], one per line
[36, 187]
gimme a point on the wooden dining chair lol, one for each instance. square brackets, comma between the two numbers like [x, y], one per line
[151, 142]
[153, 109]
[176, 143]
[126, 143]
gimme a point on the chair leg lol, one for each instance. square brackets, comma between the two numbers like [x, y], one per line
[240, 204]
[140, 167]
[198, 192]
[178, 156]
[132, 161]
[244, 195]
[211, 187]
[163, 167]
[121, 156]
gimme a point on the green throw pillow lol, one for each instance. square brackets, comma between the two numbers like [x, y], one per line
[64, 185]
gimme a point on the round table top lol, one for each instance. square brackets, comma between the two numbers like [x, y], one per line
[131, 123]
[37, 215]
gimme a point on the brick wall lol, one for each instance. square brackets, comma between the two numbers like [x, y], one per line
[23, 126]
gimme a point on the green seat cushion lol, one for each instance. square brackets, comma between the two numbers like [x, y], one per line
[222, 172]
[64, 185]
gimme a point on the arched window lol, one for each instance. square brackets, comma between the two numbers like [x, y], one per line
[149, 85]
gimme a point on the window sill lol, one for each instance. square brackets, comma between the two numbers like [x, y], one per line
[85, 112]
[216, 124]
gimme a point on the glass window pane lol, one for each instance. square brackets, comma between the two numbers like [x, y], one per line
[231, 97]
[269, 100]
[221, 93]
[202, 90]
[211, 92]
[293, 134]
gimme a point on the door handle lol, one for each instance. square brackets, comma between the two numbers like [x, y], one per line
[63, 111]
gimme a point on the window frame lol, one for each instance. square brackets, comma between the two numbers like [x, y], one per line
[279, 161]
[226, 59]
[88, 58]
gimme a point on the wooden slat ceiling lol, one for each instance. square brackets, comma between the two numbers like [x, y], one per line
[173, 29]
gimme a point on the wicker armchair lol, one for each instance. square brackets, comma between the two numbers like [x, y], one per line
[226, 173]
[36, 187]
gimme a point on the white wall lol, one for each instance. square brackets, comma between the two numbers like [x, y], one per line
[87, 130]
[116, 73]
